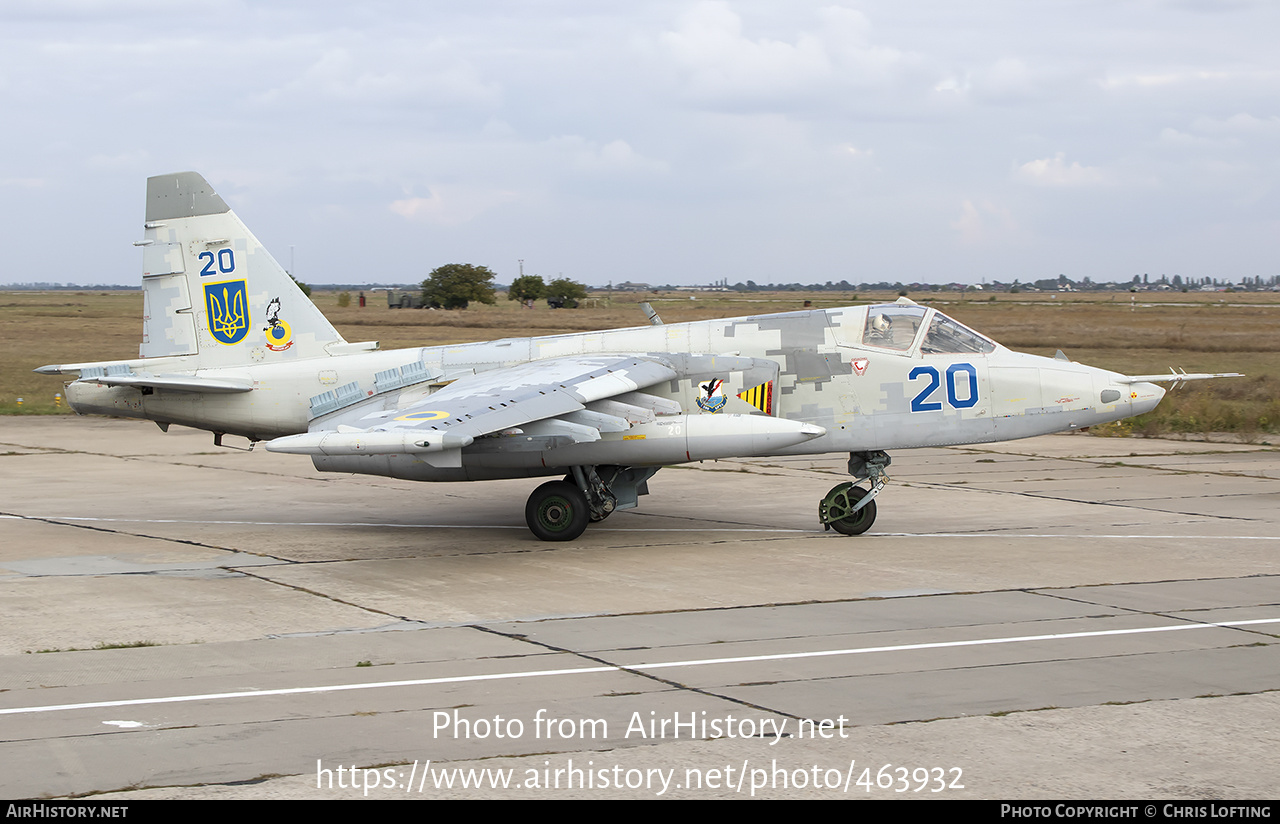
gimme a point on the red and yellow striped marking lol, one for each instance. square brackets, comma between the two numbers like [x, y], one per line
[761, 397]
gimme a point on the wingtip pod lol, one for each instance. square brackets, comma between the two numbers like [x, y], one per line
[722, 436]
[667, 440]
[682, 438]
[367, 443]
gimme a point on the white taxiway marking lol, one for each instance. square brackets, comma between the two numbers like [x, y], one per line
[396, 526]
[500, 676]
[754, 529]
[1012, 534]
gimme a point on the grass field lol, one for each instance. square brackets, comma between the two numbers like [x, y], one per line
[1199, 332]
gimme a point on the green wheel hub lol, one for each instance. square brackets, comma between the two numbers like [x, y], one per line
[836, 510]
[557, 511]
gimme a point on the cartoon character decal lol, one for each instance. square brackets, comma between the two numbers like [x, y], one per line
[279, 335]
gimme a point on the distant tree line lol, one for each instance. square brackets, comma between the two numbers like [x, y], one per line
[456, 285]
[67, 287]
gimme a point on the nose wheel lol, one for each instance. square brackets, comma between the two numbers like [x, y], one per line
[848, 508]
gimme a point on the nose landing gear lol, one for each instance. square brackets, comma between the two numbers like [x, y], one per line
[849, 509]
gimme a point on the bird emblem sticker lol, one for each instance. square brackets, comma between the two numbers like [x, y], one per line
[711, 396]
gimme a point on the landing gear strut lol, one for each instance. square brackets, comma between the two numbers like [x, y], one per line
[600, 501]
[849, 509]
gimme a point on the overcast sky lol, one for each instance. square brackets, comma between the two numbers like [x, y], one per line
[665, 142]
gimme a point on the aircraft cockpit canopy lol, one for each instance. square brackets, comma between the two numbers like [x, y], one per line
[892, 326]
[946, 336]
[896, 326]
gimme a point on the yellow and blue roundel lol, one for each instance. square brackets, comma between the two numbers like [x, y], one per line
[227, 305]
[433, 415]
[279, 336]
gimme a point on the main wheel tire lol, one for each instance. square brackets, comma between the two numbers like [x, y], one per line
[860, 521]
[556, 511]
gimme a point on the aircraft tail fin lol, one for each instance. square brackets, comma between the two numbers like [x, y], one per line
[212, 290]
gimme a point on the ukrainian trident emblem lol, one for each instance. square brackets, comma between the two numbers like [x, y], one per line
[227, 305]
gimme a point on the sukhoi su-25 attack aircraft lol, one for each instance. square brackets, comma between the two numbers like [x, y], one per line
[231, 345]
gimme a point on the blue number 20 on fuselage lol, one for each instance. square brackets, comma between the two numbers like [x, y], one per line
[921, 402]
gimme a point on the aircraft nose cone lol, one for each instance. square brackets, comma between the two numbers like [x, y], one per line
[1145, 397]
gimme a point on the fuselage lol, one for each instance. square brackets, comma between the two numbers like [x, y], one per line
[878, 377]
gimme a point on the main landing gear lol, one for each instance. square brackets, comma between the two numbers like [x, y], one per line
[849, 509]
[561, 510]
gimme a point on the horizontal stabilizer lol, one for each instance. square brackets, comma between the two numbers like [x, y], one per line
[177, 383]
[116, 373]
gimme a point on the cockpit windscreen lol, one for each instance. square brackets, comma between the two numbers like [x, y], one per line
[891, 326]
[946, 336]
[895, 326]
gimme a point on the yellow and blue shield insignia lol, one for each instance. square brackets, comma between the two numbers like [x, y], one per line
[228, 307]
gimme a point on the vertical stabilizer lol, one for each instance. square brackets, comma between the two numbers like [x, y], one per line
[211, 289]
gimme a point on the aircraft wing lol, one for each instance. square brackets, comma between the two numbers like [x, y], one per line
[545, 399]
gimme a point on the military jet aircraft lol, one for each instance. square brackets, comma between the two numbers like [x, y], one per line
[231, 345]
